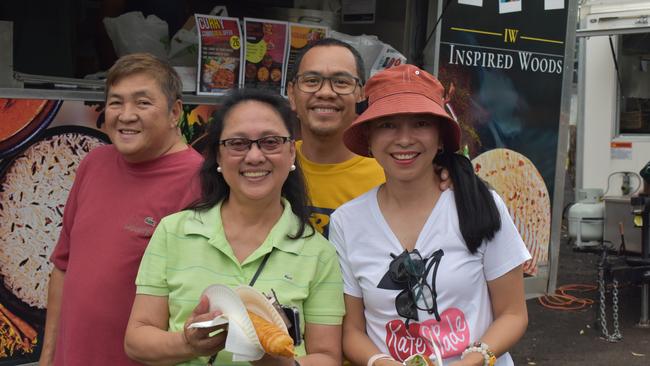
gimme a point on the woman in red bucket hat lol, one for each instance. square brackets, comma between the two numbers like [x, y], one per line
[429, 272]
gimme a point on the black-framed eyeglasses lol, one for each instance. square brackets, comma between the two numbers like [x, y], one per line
[267, 144]
[340, 84]
[409, 268]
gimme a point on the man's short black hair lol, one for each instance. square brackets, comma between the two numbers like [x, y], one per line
[327, 42]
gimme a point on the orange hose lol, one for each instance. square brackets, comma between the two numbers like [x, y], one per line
[562, 300]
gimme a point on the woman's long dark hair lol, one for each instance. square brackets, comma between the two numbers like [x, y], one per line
[214, 188]
[478, 215]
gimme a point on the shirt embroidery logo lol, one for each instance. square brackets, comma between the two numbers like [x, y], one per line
[140, 226]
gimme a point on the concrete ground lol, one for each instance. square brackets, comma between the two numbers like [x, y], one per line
[567, 338]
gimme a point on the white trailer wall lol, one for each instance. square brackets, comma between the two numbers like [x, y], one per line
[598, 103]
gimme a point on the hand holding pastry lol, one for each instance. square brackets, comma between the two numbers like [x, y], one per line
[198, 339]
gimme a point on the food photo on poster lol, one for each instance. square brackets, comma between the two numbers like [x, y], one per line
[220, 54]
[301, 36]
[266, 52]
[22, 119]
[36, 174]
[37, 171]
[524, 192]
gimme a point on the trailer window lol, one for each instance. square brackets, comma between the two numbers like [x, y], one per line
[634, 90]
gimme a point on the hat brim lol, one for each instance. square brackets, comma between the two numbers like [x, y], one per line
[355, 137]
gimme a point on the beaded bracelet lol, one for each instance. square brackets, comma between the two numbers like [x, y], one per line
[378, 356]
[489, 359]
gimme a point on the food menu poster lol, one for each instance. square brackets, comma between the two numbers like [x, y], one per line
[265, 65]
[301, 36]
[504, 71]
[220, 54]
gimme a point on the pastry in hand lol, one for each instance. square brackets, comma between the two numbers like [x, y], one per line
[274, 340]
[418, 360]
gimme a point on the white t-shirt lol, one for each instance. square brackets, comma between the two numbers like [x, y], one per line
[364, 242]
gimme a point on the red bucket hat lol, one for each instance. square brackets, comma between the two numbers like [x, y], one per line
[404, 89]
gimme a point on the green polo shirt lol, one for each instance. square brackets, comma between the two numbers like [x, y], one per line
[189, 252]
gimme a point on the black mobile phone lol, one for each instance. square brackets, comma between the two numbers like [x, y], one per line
[293, 315]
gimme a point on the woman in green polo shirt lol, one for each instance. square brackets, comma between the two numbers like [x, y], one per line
[251, 218]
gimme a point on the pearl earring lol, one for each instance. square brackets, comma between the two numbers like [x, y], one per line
[218, 169]
[292, 168]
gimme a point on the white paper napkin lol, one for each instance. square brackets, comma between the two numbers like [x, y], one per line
[241, 340]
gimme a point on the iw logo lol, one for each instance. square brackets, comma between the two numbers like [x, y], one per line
[510, 35]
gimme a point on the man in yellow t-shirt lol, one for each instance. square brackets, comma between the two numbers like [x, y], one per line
[331, 185]
[327, 84]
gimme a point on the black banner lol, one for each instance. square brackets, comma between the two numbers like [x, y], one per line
[502, 63]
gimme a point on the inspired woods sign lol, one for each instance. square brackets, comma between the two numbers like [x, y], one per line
[502, 63]
[524, 61]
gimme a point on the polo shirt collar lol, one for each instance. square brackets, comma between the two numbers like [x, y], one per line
[208, 224]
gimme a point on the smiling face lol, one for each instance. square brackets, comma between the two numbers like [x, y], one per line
[139, 120]
[405, 146]
[324, 112]
[253, 175]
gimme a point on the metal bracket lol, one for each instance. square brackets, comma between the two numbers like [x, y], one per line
[7, 79]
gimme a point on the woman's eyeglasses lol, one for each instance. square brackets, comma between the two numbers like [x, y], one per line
[409, 268]
[267, 144]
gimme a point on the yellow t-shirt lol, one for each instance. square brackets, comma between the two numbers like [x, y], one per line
[331, 185]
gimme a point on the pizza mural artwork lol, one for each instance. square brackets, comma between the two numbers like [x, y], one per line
[522, 188]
